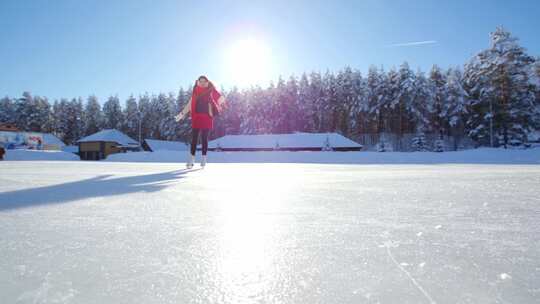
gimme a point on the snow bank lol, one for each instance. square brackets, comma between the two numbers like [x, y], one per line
[39, 155]
[477, 156]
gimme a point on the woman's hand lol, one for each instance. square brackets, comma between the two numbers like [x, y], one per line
[179, 116]
[184, 112]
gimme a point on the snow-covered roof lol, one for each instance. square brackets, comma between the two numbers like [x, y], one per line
[163, 145]
[110, 135]
[295, 140]
[50, 139]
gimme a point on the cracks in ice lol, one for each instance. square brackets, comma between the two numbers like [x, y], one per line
[392, 244]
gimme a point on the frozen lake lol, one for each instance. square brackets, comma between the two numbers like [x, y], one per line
[98, 232]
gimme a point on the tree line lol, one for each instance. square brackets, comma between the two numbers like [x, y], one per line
[494, 99]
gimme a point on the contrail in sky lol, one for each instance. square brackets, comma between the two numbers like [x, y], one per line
[416, 43]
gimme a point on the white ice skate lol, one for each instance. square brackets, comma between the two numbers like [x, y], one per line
[190, 162]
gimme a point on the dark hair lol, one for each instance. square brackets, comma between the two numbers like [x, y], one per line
[210, 84]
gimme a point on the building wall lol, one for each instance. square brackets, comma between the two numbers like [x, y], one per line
[97, 150]
[89, 146]
[90, 151]
[110, 148]
[52, 147]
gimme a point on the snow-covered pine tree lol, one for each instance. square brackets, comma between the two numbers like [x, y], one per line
[130, 125]
[305, 106]
[25, 110]
[231, 117]
[330, 109]
[159, 107]
[248, 125]
[145, 109]
[438, 145]
[7, 111]
[33, 113]
[479, 121]
[536, 84]
[281, 109]
[376, 100]
[45, 120]
[183, 127]
[69, 125]
[419, 105]
[93, 117]
[383, 145]
[392, 106]
[419, 143]
[76, 106]
[406, 92]
[293, 111]
[498, 82]
[455, 107]
[358, 116]
[168, 124]
[316, 94]
[56, 113]
[345, 100]
[153, 117]
[262, 111]
[405, 98]
[437, 84]
[112, 113]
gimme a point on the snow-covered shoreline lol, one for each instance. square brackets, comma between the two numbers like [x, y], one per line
[476, 156]
[29, 155]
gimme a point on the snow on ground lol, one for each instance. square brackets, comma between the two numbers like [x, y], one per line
[477, 156]
[39, 155]
[268, 233]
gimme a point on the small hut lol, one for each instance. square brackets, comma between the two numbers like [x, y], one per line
[103, 143]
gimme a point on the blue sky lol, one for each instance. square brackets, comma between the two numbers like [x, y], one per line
[77, 48]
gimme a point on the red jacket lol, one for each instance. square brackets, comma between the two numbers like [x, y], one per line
[201, 101]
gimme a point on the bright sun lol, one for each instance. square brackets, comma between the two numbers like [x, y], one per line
[248, 62]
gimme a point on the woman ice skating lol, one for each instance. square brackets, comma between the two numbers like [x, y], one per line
[204, 104]
[2, 151]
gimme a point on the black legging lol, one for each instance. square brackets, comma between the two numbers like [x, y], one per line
[204, 139]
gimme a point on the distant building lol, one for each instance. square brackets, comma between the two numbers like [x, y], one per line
[21, 140]
[101, 144]
[285, 142]
[154, 145]
[8, 127]
[51, 142]
[13, 138]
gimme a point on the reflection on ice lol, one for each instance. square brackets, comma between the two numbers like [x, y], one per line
[247, 234]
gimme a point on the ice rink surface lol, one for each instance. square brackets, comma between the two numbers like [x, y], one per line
[98, 232]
